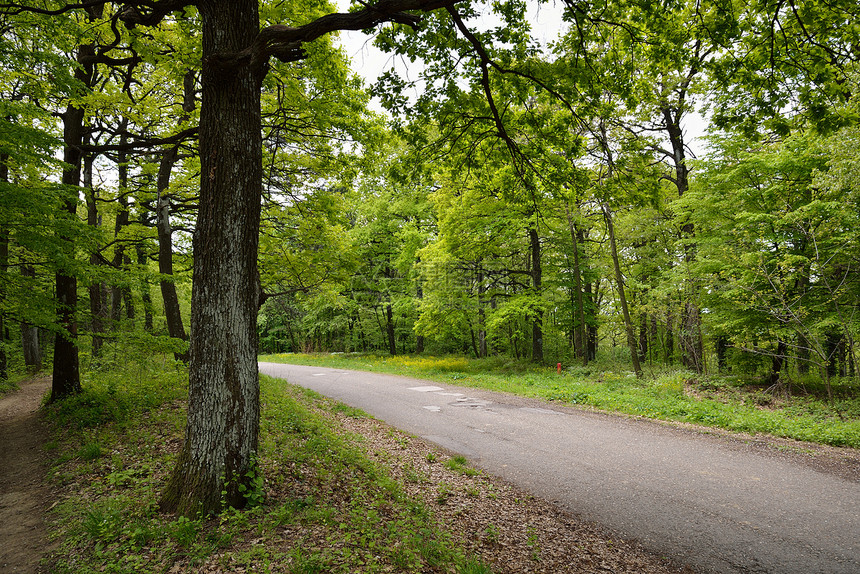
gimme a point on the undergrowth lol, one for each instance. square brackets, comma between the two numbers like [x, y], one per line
[808, 414]
[321, 505]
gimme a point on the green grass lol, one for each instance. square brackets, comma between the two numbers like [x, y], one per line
[322, 504]
[670, 395]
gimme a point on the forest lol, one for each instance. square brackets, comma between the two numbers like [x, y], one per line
[215, 180]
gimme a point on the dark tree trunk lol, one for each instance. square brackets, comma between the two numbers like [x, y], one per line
[4, 264]
[591, 327]
[482, 316]
[172, 312]
[670, 336]
[66, 371]
[692, 355]
[389, 329]
[722, 346]
[777, 362]
[802, 354]
[120, 259]
[579, 338]
[217, 461]
[537, 279]
[145, 294]
[66, 380]
[30, 335]
[98, 308]
[4, 268]
[643, 337]
[419, 339]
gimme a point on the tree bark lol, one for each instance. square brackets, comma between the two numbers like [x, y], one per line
[4, 264]
[482, 315]
[172, 311]
[579, 339]
[4, 268]
[66, 368]
[389, 329]
[98, 310]
[419, 294]
[145, 292]
[619, 279]
[120, 259]
[30, 336]
[217, 461]
[537, 279]
[692, 355]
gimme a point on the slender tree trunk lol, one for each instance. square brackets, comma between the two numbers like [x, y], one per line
[419, 339]
[722, 346]
[537, 279]
[30, 335]
[98, 314]
[389, 329]
[619, 279]
[120, 259]
[482, 316]
[4, 265]
[172, 311]
[4, 268]
[777, 363]
[579, 340]
[670, 338]
[217, 461]
[145, 294]
[591, 328]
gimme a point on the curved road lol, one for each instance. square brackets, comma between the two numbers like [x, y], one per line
[680, 494]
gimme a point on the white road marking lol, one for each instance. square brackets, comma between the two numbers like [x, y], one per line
[433, 408]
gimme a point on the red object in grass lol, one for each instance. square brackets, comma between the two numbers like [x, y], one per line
[559, 368]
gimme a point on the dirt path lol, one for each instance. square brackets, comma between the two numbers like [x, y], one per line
[23, 496]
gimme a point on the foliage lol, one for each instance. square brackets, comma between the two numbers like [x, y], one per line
[314, 477]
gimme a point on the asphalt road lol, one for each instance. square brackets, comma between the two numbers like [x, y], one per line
[683, 495]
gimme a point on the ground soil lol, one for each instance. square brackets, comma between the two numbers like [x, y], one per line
[24, 498]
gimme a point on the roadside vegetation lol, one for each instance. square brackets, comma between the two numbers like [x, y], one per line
[318, 503]
[810, 412]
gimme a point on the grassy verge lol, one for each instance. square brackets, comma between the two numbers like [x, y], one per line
[727, 403]
[324, 506]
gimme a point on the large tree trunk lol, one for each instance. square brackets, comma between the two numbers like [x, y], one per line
[221, 437]
[66, 370]
[172, 312]
[690, 335]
